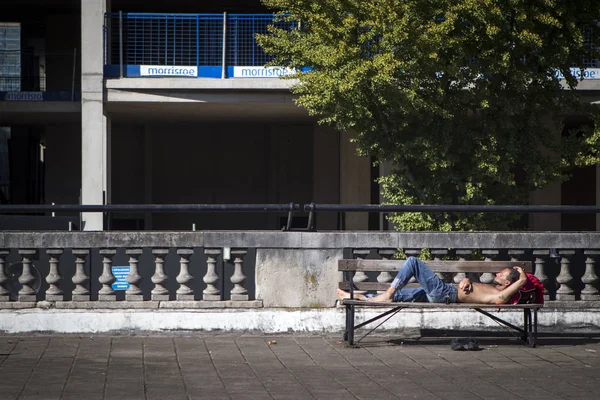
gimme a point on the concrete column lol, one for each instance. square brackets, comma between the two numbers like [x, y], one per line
[355, 182]
[95, 128]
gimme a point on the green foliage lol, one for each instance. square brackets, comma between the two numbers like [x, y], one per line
[460, 96]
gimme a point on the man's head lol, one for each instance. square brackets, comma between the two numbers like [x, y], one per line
[506, 277]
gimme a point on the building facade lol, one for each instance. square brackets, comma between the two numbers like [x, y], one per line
[121, 102]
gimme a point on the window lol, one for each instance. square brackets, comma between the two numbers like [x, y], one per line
[10, 57]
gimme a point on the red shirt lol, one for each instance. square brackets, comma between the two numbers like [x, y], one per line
[532, 283]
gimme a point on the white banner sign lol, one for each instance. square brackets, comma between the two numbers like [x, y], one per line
[587, 73]
[260, 72]
[168, 70]
[24, 96]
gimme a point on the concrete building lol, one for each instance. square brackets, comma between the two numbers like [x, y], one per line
[87, 116]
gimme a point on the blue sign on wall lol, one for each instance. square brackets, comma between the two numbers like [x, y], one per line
[39, 96]
[120, 273]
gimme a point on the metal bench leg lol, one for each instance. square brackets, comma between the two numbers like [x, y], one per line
[535, 330]
[349, 335]
[347, 325]
[531, 331]
[525, 337]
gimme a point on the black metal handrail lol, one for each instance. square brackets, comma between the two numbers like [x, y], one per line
[312, 207]
[36, 208]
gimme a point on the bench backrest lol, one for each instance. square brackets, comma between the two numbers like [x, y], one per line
[392, 266]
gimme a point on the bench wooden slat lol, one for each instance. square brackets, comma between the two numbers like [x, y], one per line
[370, 286]
[437, 266]
[437, 305]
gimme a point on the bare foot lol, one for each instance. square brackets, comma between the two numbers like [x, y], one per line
[342, 294]
[385, 297]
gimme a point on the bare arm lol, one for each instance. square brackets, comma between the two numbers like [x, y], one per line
[466, 285]
[505, 295]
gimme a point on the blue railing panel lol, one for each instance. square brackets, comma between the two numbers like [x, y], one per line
[242, 48]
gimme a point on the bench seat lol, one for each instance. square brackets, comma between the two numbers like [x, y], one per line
[438, 305]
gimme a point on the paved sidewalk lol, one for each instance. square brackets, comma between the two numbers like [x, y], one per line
[293, 367]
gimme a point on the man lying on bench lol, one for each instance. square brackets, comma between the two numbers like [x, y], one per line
[433, 290]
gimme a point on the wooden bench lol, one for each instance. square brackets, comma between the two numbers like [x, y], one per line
[350, 267]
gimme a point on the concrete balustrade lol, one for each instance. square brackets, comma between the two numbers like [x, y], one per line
[287, 269]
[76, 282]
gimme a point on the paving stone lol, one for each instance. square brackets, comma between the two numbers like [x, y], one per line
[254, 367]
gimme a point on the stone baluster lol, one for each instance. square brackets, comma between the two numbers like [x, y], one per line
[27, 293]
[412, 253]
[185, 292]
[489, 255]
[516, 254]
[385, 276]
[437, 254]
[462, 256]
[565, 279]
[54, 292]
[211, 292]
[4, 292]
[540, 270]
[590, 291]
[106, 292]
[239, 291]
[360, 276]
[81, 279]
[159, 292]
[134, 293]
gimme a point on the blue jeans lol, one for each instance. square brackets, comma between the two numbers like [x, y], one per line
[432, 290]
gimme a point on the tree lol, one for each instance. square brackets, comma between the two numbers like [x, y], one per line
[463, 97]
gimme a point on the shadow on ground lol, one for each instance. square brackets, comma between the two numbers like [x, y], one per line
[484, 339]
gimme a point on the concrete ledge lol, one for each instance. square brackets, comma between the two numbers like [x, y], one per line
[16, 305]
[108, 305]
[200, 83]
[210, 304]
[558, 305]
[305, 240]
[131, 305]
[272, 320]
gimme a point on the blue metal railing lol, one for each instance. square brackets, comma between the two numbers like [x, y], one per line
[213, 44]
[134, 39]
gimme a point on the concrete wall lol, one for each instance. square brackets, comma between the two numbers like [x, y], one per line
[297, 277]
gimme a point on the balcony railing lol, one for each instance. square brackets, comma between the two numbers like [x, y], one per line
[208, 46]
[212, 44]
[39, 76]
